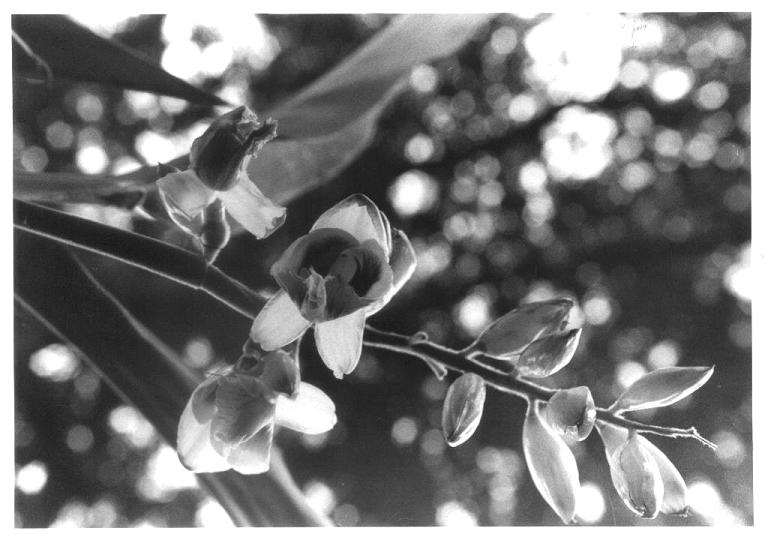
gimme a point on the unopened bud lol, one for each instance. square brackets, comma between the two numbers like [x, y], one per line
[219, 155]
[549, 354]
[637, 479]
[463, 408]
[551, 464]
[571, 413]
[510, 334]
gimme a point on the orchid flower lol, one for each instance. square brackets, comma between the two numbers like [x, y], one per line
[346, 269]
[217, 171]
[229, 421]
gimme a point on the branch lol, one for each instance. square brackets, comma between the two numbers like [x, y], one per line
[420, 347]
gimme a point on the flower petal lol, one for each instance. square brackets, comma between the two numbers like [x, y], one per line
[252, 456]
[251, 208]
[360, 217]
[244, 405]
[185, 197]
[278, 323]
[403, 263]
[340, 342]
[193, 444]
[311, 411]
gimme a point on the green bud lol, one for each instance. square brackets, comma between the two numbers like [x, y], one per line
[463, 408]
[549, 354]
[571, 413]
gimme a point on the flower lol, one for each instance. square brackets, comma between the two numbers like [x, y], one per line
[217, 170]
[347, 268]
[230, 418]
[571, 413]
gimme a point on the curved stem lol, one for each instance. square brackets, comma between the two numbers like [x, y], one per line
[505, 382]
[190, 269]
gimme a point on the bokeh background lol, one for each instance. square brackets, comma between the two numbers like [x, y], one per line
[604, 157]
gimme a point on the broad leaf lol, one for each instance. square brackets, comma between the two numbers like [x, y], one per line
[325, 126]
[661, 387]
[74, 52]
[141, 370]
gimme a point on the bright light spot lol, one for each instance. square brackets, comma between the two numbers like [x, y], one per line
[183, 59]
[125, 164]
[55, 362]
[701, 147]
[74, 514]
[91, 159]
[79, 438]
[730, 450]
[664, 354]
[155, 148]
[590, 504]
[413, 192]
[577, 144]
[103, 22]
[668, 143]
[738, 277]
[634, 74]
[211, 514]
[712, 95]
[172, 105]
[320, 496]
[453, 514]
[142, 104]
[598, 310]
[431, 259]
[638, 121]
[523, 107]
[215, 59]
[32, 477]
[628, 372]
[419, 148]
[637, 175]
[490, 194]
[424, 78]
[671, 83]
[128, 422]
[198, 353]
[504, 40]
[164, 475]
[59, 135]
[533, 177]
[346, 515]
[33, 159]
[729, 44]
[404, 431]
[575, 56]
[704, 498]
[89, 107]
[473, 313]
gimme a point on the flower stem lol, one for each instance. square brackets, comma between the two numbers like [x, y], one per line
[190, 269]
[425, 350]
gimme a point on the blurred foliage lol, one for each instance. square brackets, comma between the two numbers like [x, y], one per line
[520, 171]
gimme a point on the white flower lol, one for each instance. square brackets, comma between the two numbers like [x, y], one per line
[229, 420]
[346, 269]
[217, 170]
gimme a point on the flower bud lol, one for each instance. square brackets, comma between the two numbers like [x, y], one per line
[549, 354]
[571, 413]
[551, 464]
[510, 334]
[661, 387]
[463, 408]
[637, 479]
[221, 153]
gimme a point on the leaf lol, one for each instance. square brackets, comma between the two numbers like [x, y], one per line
[324, 127]
[463, 408]
[661, 387]
[551, 464]
[141, 369]
[74, 52]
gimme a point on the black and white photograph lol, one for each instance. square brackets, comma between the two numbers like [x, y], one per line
[367, 269]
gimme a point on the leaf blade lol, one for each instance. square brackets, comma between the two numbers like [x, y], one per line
[661, 387]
